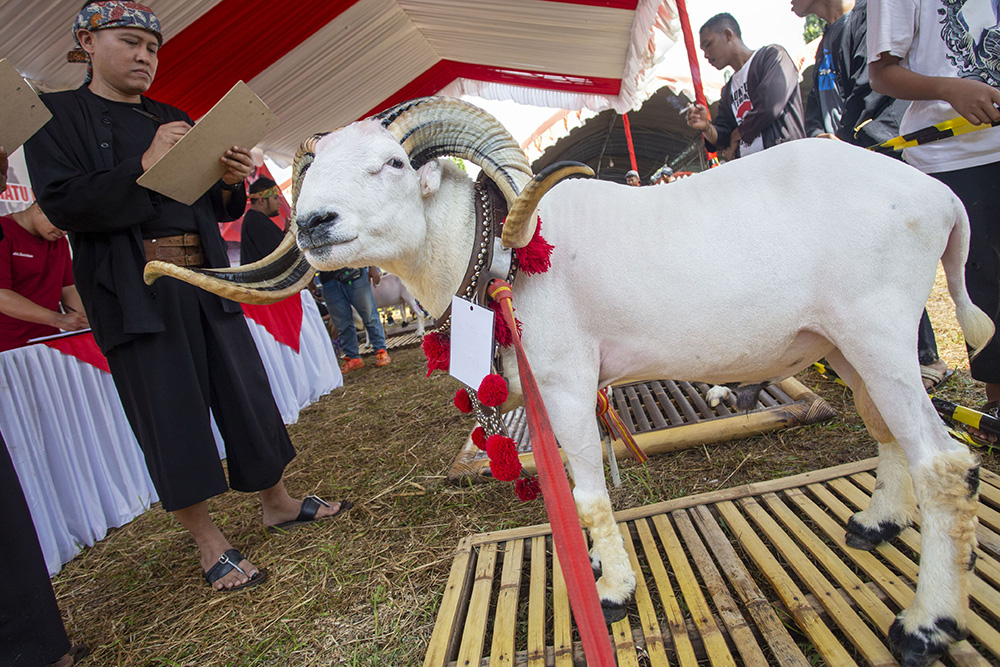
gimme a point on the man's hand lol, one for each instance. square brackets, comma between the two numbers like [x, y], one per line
[374, 275]
[729, 152]
[3, 169]
[973, 100]
[239, 165]
[167, 135]
[697, 117]
[73, 321]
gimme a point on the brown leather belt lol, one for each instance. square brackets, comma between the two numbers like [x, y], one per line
[182, 250]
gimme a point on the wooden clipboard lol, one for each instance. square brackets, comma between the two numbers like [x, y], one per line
[21, 112]
[192, 165]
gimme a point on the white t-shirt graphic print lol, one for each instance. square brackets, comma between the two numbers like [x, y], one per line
[742, 105]
[941, 38]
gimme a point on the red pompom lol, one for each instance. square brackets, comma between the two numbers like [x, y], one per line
[536, 257]
[527, 488]
[479, 438]
[492, 390]
[437, 349]
[462, 401]
[504, 463]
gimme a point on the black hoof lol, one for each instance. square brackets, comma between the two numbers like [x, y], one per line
[926, 645]
[865, 538]
[613, 611]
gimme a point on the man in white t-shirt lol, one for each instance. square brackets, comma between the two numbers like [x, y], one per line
[760, 104]
[945, 56]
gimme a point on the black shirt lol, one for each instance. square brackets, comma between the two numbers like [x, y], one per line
[83, 170]
[259, 236]
[133, 133]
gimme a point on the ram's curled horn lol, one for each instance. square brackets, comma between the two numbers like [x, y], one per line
[431, 127]
[521, 221]
[284, 272]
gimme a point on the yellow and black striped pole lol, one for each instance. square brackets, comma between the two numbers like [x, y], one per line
[952, 411]
[946, 128]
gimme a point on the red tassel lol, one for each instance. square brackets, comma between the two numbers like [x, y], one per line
[504, 463]
[462, 401]
[479, 438]
[437, 349]
[501, 332]
[527, 488]
[536, 257]
[492, 390]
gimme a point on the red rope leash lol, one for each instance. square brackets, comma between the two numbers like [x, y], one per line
[628, 138]
[616, 426]
[699, 92]
[566, 533]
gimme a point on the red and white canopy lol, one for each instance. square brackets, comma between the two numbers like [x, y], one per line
[321, 65]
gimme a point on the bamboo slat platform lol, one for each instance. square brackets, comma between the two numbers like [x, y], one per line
[407, 339]
[753, 575]
[667, 415]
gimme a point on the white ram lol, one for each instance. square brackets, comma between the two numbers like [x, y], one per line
[855, 237]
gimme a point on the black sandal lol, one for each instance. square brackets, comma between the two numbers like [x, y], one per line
[310, 505]
[228, 562]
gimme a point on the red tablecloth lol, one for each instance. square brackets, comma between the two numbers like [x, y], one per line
[283, 320]
[83, 347]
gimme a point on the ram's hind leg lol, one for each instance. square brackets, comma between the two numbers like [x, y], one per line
[946, 485]
[893, 505]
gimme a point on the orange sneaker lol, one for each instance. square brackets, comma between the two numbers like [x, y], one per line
[382, 358]
[352, 364]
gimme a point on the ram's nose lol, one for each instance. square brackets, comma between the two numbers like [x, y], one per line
[318, 220]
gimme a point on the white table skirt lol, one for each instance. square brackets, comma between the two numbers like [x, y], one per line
[76, 457]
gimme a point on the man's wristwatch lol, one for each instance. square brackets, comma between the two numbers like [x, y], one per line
[231, 188]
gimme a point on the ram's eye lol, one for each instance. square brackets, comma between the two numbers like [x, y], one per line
[396, 163]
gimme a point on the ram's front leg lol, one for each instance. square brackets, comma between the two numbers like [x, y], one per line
[575, 427]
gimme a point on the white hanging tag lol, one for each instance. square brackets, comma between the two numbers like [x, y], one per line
[471, 342]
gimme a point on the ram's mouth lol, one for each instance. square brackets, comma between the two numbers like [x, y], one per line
[306, 244]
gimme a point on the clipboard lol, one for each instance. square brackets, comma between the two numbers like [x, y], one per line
[192, 166]
[21, 112]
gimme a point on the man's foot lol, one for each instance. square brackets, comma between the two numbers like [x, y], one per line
[77, 652]
[230, 570]
[352, 364]
[382, 358]
[288, 509]
[309, 512]
[991, 408]
[935, 374]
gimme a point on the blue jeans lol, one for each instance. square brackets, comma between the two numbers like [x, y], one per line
[339, 298]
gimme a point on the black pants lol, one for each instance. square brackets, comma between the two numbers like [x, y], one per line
[167, 382]
[979, 189]
[31, 630]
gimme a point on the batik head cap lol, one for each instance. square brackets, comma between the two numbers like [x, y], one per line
[111, 14]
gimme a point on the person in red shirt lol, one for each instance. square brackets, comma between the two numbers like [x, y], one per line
[36, 277]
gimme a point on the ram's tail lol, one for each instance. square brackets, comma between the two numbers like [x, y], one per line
[976, 325]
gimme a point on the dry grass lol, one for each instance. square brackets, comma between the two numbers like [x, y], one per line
[364, 588]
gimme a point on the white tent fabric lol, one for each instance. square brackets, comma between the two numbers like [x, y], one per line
[376, 48]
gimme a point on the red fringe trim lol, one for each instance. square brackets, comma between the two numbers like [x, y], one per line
[492, 390]
[462, 401]
[504, 463]
[527, 488]
[437, 349]
[536, 257]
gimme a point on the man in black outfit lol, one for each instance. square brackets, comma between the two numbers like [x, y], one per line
[259, 236]
[174, 350]
[760, 104]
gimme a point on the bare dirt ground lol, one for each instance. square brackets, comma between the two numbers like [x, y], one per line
[364, 588]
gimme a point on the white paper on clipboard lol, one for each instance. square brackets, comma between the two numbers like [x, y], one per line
[21, 112]
[471, 342]
[192, 165]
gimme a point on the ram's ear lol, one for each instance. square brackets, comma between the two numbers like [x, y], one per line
[430, 178]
